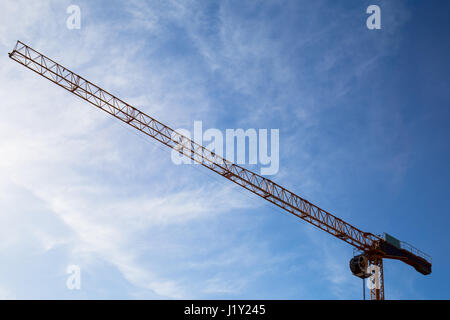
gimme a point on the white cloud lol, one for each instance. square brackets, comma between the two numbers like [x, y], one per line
[79, 166]
[6, 295]
[96, 191]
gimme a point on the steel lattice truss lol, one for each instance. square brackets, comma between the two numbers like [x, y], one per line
[257, 184]
[375, 247]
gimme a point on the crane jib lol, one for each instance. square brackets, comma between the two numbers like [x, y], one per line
[375, 247]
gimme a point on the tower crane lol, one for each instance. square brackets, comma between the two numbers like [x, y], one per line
[371, 248]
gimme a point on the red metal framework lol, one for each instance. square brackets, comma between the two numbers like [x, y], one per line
[263, 187]
[377, 292]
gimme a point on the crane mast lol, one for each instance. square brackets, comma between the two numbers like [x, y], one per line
[372, 247]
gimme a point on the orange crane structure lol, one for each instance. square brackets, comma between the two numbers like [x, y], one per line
[372, 249]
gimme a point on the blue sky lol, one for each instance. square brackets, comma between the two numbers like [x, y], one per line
[363, 119]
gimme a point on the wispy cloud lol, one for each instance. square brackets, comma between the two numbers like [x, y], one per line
[79, 184]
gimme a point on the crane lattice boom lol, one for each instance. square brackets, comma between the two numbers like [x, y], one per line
[372, 245]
